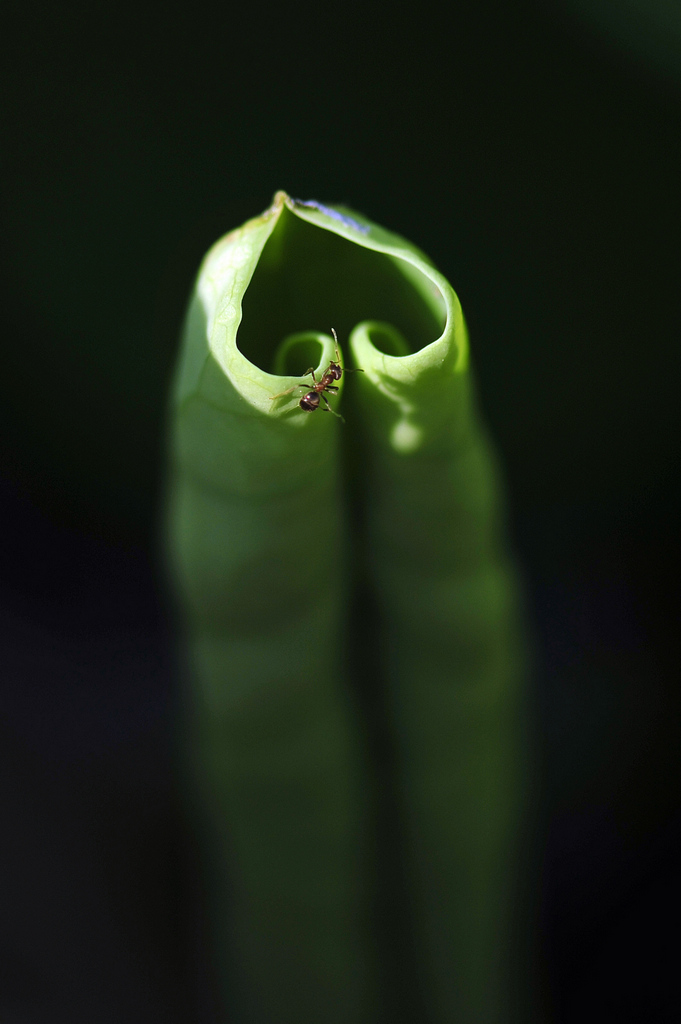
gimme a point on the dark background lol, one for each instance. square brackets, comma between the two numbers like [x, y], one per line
[538, 162]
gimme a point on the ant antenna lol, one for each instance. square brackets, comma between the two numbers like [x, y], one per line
[346, 369]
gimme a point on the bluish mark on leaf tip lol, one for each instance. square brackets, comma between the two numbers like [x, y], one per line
[330, 212]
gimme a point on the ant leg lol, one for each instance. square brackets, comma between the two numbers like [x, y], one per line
[311, 370]
[329, 409]
[288, 391]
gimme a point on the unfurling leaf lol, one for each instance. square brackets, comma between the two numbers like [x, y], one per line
[352, 625]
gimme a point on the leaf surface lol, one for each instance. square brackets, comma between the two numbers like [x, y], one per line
[352, 623]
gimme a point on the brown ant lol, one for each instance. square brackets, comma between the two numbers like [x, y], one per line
[310, 401]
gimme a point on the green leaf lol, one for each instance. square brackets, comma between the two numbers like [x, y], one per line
[352, 624]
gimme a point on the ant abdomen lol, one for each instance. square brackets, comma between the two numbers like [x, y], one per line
[310, 401]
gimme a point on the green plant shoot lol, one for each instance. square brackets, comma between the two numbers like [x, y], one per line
[352, 628]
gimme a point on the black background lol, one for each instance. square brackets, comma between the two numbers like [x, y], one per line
[539, 167]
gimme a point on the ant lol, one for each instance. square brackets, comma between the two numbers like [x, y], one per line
[310, 401]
